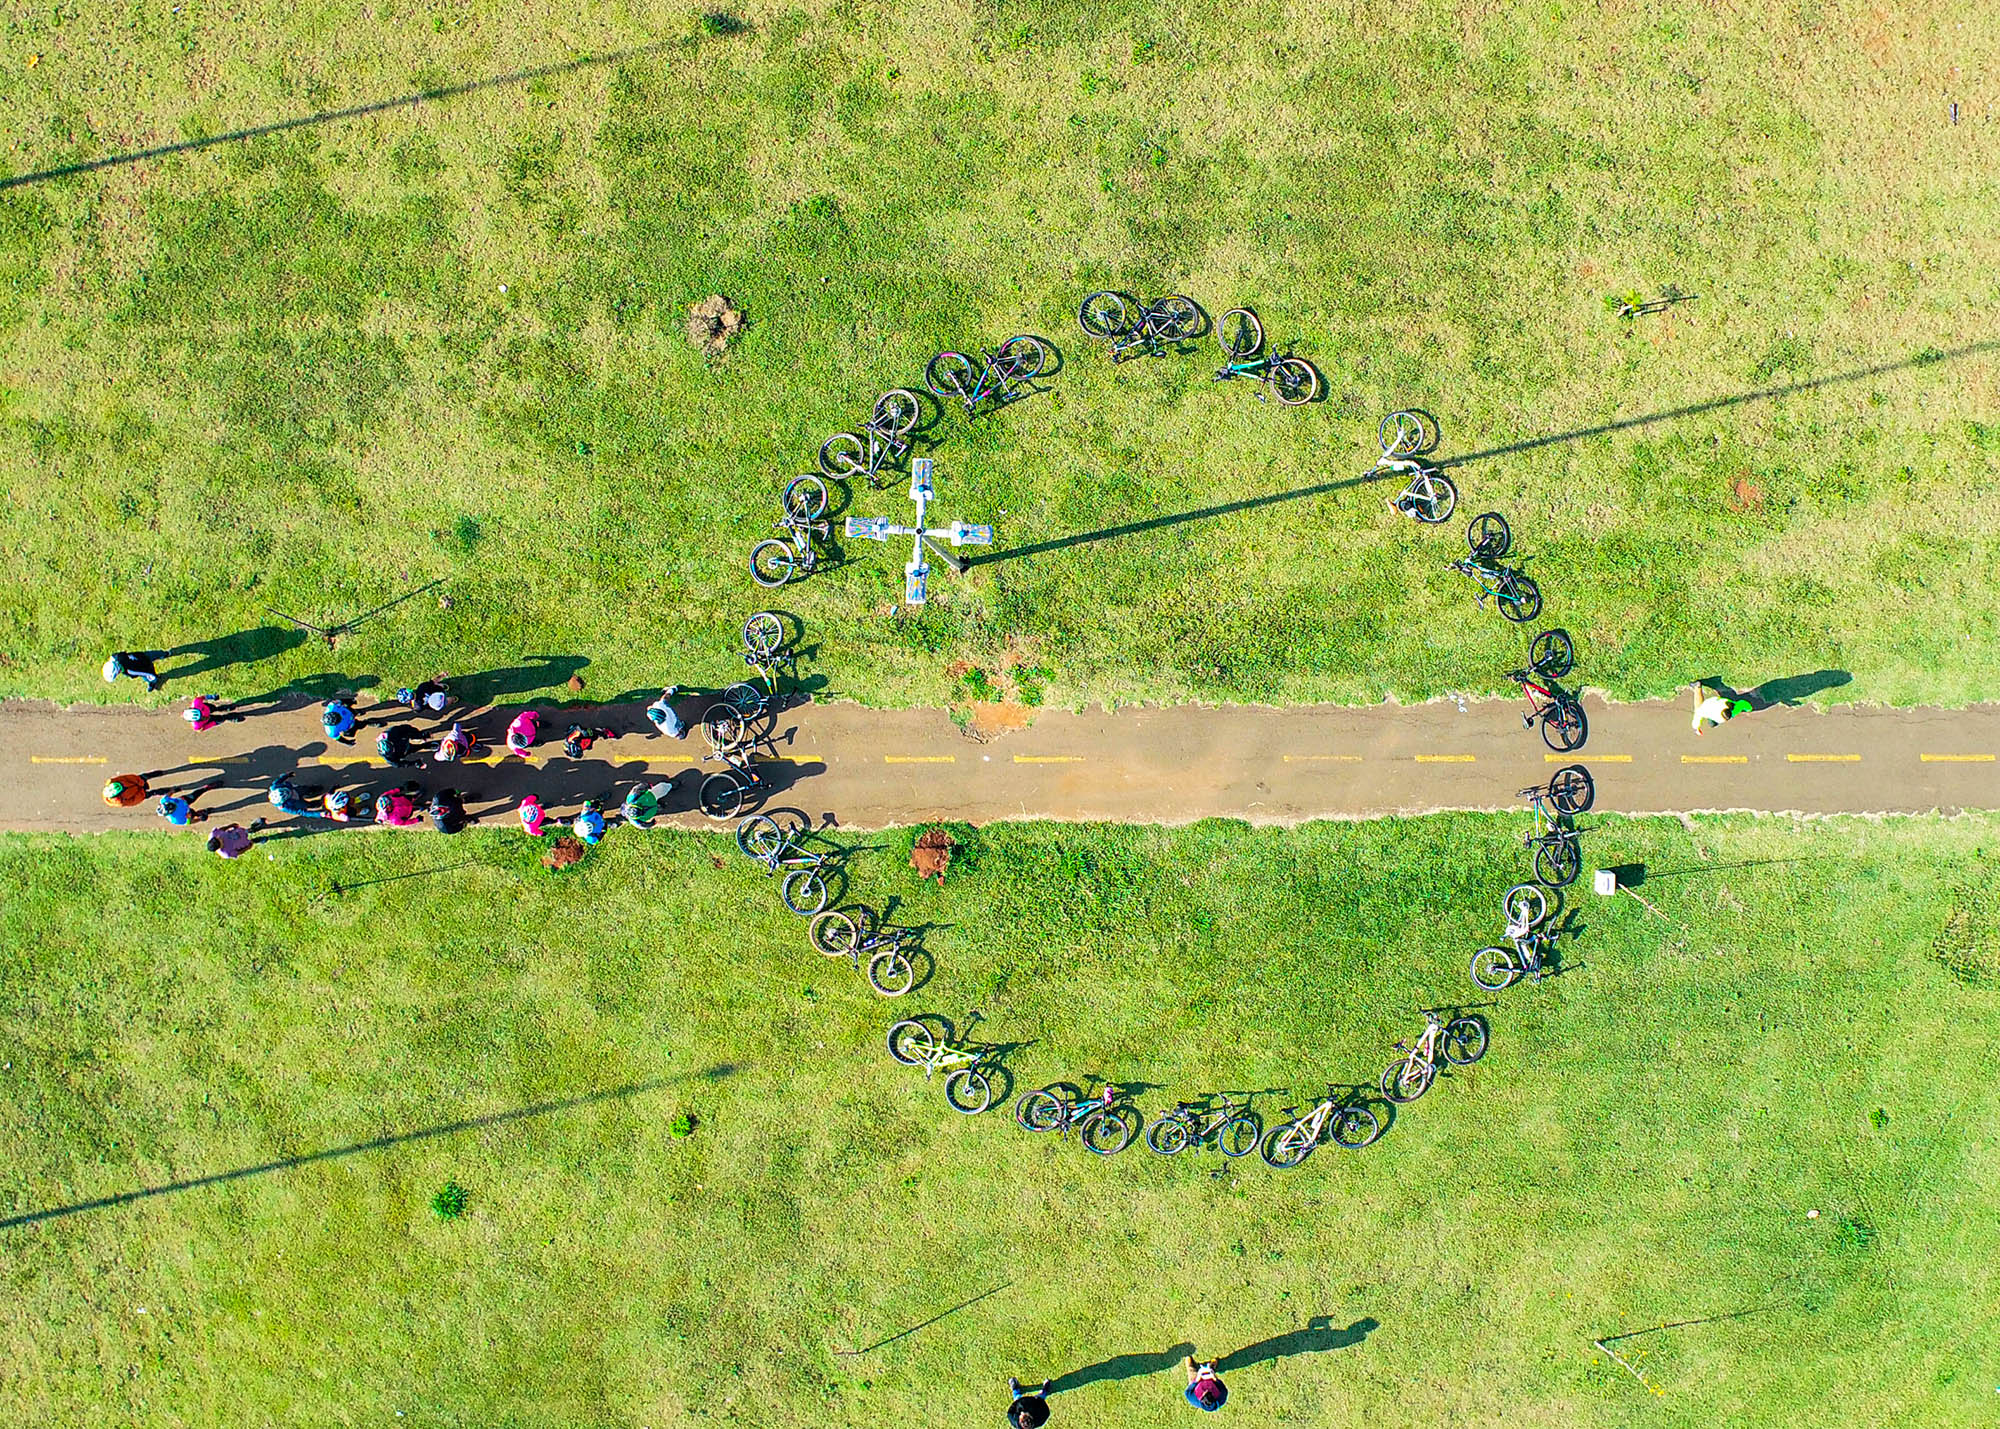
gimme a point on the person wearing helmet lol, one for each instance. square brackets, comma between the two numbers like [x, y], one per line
[336, 717]
[1205, 1389]
[133, 664]
[201, 713]
[286, 798]
[589, 823]
[532, 816]
[642, 804]
[398, 745]
[430, 697]
[447, 811]
[233, 840]
[339, 806]
[125, 791]
[666, 719]
[523, 733]
[456, 745]
[397, 810]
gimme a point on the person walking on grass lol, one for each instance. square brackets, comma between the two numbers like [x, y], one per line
[1030, 1408]
[135, 665]
[179, 809]
[666, 719]
[202, 713]
[524, 733]
[533, 816]
[1716, 709]
[127, 791]
[336, 717]
[1205, 1389]
[589, 824]
[233, 840]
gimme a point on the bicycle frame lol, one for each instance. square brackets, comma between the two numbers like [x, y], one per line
[994, 377]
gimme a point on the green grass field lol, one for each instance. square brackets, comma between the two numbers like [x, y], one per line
[1809, 1025]
[314, 369]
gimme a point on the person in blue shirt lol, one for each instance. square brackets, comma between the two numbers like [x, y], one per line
[589, 824]
[1205, 1389]
[337, 719]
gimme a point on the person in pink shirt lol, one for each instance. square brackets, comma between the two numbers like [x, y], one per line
[456, 745]
[523, 733]
[233, 840]
[396, 809]
[532, 815]
[201, 713]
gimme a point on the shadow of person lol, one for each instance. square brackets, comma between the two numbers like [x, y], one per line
[541, 672]
[1121, 1367]
[1793, 689]
[1319, 1334]
[245, 647]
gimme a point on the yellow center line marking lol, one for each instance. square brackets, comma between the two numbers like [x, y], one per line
[920, 759]
[1956, 758]
[219, 759]
[1578, 755]
[1318, 758]
[345, 759]
[1715, 759]
[66, 759]
[1823, 758]
[1444, 759]
[1048, 759]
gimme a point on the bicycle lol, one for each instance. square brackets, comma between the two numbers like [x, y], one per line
[805, 498]
[967, 1088]
[1102, 1123]
[1461, 1042]
[764, 840]
[1430, 497]
[1407, 432]
[1241, 336]
[1231, 1127]
[1570, 790]
[1558, 713]
[882, 440]
[889, 971]
[1527, 910]
[724, 793]
[1558, 857]
[1344, 1120]
[790, 557]
[1134, 327]
[763, 637]
[1018, 360]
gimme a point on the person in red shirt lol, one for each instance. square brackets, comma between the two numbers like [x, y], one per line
[123, 791]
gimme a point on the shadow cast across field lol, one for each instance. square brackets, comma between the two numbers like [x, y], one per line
[1318, 1335]
[1930, 357]
[1131, 1366]
[331, 116]
[381, 1143]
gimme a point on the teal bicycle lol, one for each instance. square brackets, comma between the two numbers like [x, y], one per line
[1241, 335]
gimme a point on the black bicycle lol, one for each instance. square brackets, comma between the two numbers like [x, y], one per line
[725, 793]
[838, 933]
[1229, 1126]
[791, 557]
[1558, 855]
[1001, 374]
[1136, 329]
[880, 443]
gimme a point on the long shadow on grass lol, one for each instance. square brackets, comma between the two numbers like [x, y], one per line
[1319, 1334]
[1926, 358]
[380, 1143]
[329, 116]
[1132, 1366]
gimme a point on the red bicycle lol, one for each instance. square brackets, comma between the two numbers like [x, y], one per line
[1559, 713]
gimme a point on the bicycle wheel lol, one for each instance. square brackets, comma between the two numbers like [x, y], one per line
[1464, 1041]
[897, 411]
[1169, 1136]
[1558, 860]
[1039, 1111]
[763, 634]
[1105, 314]
[1488, 536]
[1295, 380]
[1022, 358]
[968, 1090]
[1239, 1135]
[804, 891]
[1287, 1145]
[1238, 333]
[1565, 728]
[1520, 598]
[744, 700]
[843, 455]
[1493, 969]
[1550, 653]
[723, 728]
[1176, 318]
[1354, 1127]
[1109, 1130]
[890, 973]
[1436, 498]
[1403, 1082]
[1525, 906]
[1405, 433]
[911, 1043]
[1571, 790]
[806, 498]
[834, 935]
[951, 374]
[760, 837]
[722, 794]
[772, 562]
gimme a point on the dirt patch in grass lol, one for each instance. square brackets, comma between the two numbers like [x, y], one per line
[712, 324]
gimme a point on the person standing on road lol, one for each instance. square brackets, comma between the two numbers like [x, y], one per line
[524, 733]
[201, 713]
[133, 664]
[125, 791]
[286, 798]
[577, 742]
[179, 809]
[589, 824]
[431, 697]
[398, 744]
[642, 803]
[456, 745]
[533, 815]
[337, 719]
[397, 810]
[1030, 1408]
[666, 719]
[1205, 1389]
[233, 840]
[1715, 709]
[447, 811]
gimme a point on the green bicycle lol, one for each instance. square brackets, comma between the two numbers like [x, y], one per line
[1241, 335]
[967, 1088]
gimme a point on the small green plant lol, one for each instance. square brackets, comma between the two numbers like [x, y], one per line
[721, 22]
[450, 1202]
[1625, 306]
[1853, 1234]
[682, 1125]
[1878, 1118]
[979, 685]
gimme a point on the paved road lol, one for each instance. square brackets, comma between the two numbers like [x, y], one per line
[871, 768]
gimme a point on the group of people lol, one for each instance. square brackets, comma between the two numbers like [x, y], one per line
[1029, 1408]
[403, 746]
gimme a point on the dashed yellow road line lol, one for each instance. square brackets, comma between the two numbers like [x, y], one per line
[1444, 759]
[920, 759]
[66, 759]
[1956, 758]
[1322, 759]
[342, 760]
[219, 759]
[1578, 756]
[1823, 758]
[1048, 759]
[1715, 759]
